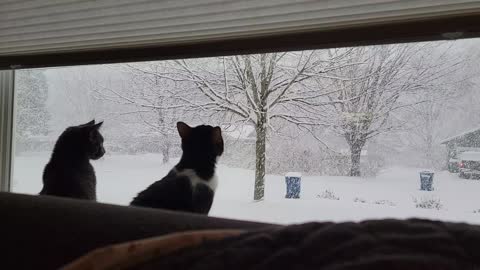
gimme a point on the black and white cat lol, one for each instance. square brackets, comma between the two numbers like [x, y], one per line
[190, 185]
[69, 172]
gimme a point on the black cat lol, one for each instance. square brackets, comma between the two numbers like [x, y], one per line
[69, 172]
[190, 185]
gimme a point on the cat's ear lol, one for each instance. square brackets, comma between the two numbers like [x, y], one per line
[183, 130]
[217, 140]
[217, 135]
[98, 125]
[91, 123]
[93, 131]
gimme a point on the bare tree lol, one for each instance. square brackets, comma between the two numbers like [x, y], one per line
[72, 100]
[439, 98]
[373, 91]
[256, 90]
[148, 98]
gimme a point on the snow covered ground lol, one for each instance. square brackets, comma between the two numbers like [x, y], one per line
[391, 194]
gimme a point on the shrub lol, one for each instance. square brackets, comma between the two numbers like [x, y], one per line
[329, 195]
[428, 203]
[384, 202]
[359, 200]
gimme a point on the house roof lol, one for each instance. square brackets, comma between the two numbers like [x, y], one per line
[458, 136]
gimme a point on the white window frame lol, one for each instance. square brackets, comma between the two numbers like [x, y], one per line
[7, 128]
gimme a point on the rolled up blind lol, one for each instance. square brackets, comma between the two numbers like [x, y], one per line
[52, 26]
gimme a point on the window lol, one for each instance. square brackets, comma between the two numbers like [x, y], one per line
[358, 125]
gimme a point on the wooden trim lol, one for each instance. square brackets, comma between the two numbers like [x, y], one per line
[461, 26]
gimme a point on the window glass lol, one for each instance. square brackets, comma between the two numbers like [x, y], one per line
[338, 134]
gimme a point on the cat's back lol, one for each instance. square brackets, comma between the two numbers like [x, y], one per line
[69, 172]
[172, 192]
[65, 180]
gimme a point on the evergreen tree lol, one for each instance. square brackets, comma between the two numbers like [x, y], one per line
[32, 117]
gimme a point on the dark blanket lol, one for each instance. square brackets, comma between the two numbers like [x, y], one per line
[382, 244]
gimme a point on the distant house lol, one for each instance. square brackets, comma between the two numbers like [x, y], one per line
[465, 141]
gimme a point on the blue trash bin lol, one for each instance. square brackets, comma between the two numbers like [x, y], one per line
[293, 181]
[426, 180]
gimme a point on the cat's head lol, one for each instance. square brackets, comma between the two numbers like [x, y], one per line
[86, 137]
[204, 141]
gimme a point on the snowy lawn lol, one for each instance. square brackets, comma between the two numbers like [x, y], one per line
[391, 194]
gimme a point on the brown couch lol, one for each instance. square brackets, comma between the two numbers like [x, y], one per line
[42, 232]
[48, 232]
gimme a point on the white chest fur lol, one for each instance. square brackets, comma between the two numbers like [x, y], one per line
[195, 179]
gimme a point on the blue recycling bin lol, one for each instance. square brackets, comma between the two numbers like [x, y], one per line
[293, 181]
[426, 180]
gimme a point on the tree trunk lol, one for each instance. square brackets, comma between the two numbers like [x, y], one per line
[429, 151]
[260, 153]
[355, 154]
[166, 153]
[429, 139]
